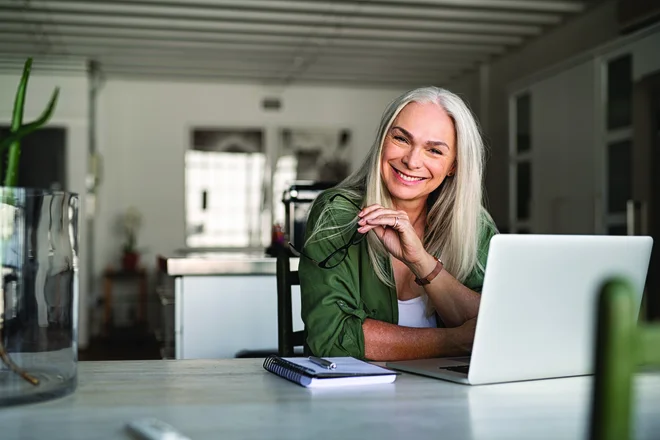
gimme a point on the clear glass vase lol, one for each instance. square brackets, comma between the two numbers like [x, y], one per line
[39, 298]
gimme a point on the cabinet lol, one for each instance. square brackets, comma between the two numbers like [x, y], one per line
[572, 160]
[220, 316]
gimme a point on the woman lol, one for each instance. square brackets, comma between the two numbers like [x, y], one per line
[409, 290]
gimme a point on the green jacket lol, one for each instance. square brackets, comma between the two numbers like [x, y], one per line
[335, 302]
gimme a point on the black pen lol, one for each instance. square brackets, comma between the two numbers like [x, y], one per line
[322, 362]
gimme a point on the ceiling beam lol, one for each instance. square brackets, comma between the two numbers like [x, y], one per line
[150, 76]
[251, 29]
[339, 9]
[264, 76]
[93, 49]
[278, 69]
[105, 9]
[52, 32]
[566, 6]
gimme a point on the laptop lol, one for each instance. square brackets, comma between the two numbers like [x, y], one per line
[537, 318]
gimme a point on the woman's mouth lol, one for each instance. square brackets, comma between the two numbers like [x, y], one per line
[407, 178]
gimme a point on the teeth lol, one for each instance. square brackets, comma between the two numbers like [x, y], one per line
[408, 178]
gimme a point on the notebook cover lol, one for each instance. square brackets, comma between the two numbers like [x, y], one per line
[294, 369]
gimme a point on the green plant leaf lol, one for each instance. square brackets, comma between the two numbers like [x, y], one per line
[11, 178]
[19, 102]
[26, 129]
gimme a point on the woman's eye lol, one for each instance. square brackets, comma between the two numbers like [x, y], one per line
[436, 151]
[400, 139]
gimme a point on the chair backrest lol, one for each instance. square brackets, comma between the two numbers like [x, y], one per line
[287, 339]
[622, 346]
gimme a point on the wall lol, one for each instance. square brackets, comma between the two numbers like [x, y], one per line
[144, 132]
[72, 113]
[589, 30]
[564, 136]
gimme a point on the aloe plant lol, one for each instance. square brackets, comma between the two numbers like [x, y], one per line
[13, 143]
[20, 130]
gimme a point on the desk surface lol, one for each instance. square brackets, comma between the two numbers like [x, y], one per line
[228, 399]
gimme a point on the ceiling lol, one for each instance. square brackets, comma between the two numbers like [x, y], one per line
[372, 43]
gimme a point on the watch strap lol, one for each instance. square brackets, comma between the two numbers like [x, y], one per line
[427, 279]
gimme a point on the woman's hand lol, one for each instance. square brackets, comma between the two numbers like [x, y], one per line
[394, 230]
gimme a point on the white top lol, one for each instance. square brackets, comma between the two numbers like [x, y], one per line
[412, 313]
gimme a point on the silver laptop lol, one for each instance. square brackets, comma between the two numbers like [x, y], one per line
[538, 308]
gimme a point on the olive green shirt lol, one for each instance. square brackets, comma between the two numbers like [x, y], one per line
[335, 302]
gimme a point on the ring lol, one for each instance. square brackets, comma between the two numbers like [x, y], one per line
[396, 222]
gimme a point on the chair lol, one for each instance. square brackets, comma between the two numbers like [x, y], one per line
[622, 347]
[287, 339]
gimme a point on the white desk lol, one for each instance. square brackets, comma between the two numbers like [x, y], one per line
[237, 399]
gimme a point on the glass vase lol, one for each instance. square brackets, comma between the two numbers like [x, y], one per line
[39, 298]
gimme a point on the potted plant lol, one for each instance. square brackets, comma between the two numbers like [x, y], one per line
[38, 274]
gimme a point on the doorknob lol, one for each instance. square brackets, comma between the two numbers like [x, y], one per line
[636, 217]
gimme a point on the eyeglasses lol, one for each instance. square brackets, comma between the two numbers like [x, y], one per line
[338, 255]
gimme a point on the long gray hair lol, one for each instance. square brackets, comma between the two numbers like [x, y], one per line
[454, 208]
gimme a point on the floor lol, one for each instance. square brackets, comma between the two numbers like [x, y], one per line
[126, 343]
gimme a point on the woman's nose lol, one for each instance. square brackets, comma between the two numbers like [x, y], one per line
[413, 159]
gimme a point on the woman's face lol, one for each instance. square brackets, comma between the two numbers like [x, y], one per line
[419, 151]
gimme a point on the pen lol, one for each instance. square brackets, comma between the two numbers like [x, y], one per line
[323, 363]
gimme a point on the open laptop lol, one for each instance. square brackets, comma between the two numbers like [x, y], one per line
[537, 318]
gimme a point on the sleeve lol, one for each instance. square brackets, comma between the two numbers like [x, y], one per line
[331, 306]
[475, 280]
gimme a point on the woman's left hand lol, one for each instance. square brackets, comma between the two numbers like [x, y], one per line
[395, 231]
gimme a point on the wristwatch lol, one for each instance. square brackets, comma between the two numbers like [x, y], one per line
[427, 279]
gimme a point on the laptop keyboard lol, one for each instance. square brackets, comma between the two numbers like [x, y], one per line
[459, 369]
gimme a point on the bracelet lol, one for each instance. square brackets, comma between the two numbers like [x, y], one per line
[427, 279]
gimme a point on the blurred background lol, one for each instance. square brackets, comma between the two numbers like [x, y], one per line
[197, 130]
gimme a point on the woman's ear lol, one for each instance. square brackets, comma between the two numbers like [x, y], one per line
[452, 170]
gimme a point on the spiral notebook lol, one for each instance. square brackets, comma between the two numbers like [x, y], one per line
[349, 371]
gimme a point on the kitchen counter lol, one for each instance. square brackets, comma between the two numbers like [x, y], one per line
[221, 304]
[221, 263]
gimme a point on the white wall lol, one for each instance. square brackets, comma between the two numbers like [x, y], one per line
[586, 31]
[72, 113]
[144, 132]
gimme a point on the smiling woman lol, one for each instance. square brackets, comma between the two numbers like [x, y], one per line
[410, 290]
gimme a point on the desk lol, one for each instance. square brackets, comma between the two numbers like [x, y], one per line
[236, 399]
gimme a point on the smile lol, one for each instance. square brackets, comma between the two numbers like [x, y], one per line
[406, 178]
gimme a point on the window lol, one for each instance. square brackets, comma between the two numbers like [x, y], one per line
[619, 93]
[224, 178]
[285, 175]
[223, 198]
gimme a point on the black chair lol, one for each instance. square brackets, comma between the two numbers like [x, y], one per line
[287, 339]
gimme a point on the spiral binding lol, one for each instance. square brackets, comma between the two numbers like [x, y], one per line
[285, 369]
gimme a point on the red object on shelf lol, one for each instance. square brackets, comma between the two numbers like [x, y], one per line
[129, 261]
